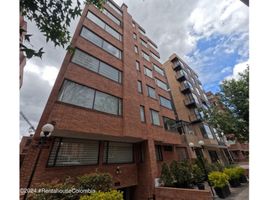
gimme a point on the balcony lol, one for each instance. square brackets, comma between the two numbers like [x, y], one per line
[177, 66]
[185, 88]
[195, 118]
[190, 102]
[181, 75]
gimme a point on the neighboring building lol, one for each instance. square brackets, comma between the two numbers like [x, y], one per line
[238, 150]
[111, 106]
[23, 25]
[189, 98]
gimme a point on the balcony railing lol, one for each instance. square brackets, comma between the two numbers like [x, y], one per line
[190, 102]
[177, 66]
[185, 88]
[181, 75]
[195, 118]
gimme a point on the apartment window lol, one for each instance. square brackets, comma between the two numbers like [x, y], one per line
[67, 152]
[138, 66]
[170, 124]
[83, 96]
[205, 130]
[139, 87]
[187, 84]
[151, 92]
[145, 56]
[213, 156]
[195, 98]
[135, 36]
[112, 17]
[158, 153]
[89, 62]
[95, 39]
[182, 153]
[115, 8]
[143, 43]
[142, 113]
[159, 70]
[148, 72]
[197, 90]
[165, 102]
[104, 26]
[133, 25]
[154, 56]
[161, 84]
[136, 49]
[152, 45]
[118, 152]
[155, 117]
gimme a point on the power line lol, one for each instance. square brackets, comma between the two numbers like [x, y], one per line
[28, 122]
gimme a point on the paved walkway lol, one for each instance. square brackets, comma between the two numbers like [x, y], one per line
[239, 193]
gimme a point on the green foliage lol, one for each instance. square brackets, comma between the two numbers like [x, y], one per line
[110, 195]
[218, 179]
[241, 171]
[166, 176]
[232, 173]
[234, 118]
[53, 19]
[198, 174]
[96, 181]
[181, 172]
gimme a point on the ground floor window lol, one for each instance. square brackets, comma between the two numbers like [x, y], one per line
[67, 151]
[213, 156]
[182, 153]
[158, 153]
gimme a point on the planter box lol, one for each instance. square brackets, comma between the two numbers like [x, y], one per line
[223, 192]
[234, 182]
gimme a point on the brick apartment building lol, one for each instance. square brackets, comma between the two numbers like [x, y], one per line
[238, 150]
[189, 99]
[112, 107]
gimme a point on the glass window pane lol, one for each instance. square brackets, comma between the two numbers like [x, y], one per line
[113, 32]
[115, 8]
[155, 117]
[92, 37]
[136, 49]
[96, 20]
[137, 66]
[118, 152]
[113, 18]
[170, 124]
[165, 102]
[109, 72]
[76, 94]
[107, 103]
[139, 87]
[145, 56]
[151, 92]
[158, 69]
[148, 72]
[161, 84]
[142, 113]
[111, 49]
[85, 60]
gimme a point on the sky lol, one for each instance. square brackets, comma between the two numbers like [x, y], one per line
[211, 36]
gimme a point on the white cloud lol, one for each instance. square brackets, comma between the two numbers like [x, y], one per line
[238, 68]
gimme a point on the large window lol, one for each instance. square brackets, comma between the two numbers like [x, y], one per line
[139, 87]
[170, 124]
[205, 130]
[148, 72]
[118, 152]
[83, 59]
[66, 152]
[145, 56]
[83, 96]
[112, 17]
[151, 92]
[155, 117]
[158, 153]
[154, 56]
[142, 113]
[161, 84]
[159, 70]
[165, 102]
[144, 43]
[104, 26]
[95, 39]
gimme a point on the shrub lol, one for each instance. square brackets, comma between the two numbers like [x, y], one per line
[218, 179]
[181, 173]
[96, 181]
[110, 195]
[240, 171]
[232, 173]
[198, 174]
[166, 176]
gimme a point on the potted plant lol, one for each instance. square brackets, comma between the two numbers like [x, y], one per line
[181, 172]
[198, 177]
[233, 176]
[219, 181]
[242, 176]
[166, 176]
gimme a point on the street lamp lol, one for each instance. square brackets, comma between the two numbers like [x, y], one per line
[47, 129]
[200, 158]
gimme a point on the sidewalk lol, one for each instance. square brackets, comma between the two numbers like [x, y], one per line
[239, 193]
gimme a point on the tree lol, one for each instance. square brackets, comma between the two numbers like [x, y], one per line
[234, 118]
[53, 19]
